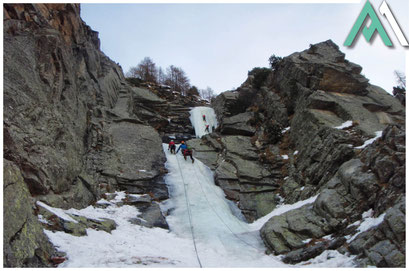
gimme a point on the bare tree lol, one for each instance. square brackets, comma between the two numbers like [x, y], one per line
[400, 91]
[161, 76]
[401, 79]
[146, 71]
[176, 78]
[207, 94]
[133, 72]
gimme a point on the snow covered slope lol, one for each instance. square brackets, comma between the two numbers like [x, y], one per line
[205, 230]
[196, 118]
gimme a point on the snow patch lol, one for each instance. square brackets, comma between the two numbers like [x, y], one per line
[58, 212]
[285, 130]
[119, 196]
[42, 219]
[103, 201]
[296, 152]
[329, 259]
[344, 125]
[369, 222]
[281, 209]
[378, 134]
[284, 156]
[356, 223]
[128, 246]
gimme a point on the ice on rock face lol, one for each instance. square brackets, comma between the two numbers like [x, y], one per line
[223, 239]
[199, 124]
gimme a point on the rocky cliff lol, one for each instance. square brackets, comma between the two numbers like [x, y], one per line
[304, 131]
[74, 129]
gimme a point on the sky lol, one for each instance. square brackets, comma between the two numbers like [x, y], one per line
[217, 44]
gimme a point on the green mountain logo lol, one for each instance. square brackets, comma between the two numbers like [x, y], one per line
[376, 25]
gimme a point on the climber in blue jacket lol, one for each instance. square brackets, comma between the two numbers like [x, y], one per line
[186, 151]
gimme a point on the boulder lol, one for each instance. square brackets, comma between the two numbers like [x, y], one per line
[25, 244]
[238, 125]
[74, 224]
[249, 170]
[256, 205]
[151, 217]
[226, 105]
[137, 165]
[241, 146]
[286, 232]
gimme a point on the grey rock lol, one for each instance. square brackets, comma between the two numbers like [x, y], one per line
[104, 224]
[25, 244]
[305, 222]
[241, 146]
[151, 217]
[213, 140]
[362, 242]
[199, 146]
[272, 233]
[226, 170]
[377, 253]
[249, 170]
[145, 96]
[304, 254]
[290, 229]
[238, 125]
[385, 169]
[138, 200]
[140, 145]
[256, 205]
[395, 219]
[330, 204]
[70, 122]
[226, 105]
[395, 259]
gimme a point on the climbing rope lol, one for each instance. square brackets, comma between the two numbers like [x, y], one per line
[189, 213]
[222, 198]
[221, 219]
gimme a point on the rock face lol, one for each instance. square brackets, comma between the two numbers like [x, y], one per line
[24, 241]
[302, 133]
[167, 111]
[74, 128]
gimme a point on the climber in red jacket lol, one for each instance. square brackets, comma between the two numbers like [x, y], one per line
[172, 147]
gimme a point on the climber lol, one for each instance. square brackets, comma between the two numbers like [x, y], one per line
[186, 151]
[204, 117]
[207, 128]
[172, 147]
